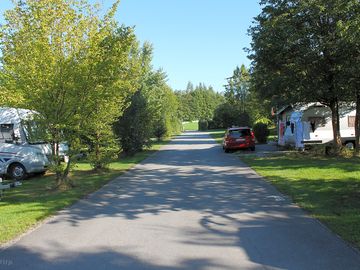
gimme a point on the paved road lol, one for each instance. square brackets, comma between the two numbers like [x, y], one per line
[190, 206]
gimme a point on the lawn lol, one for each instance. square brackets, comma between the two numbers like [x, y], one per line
[217, 134]
[328, 188]
[191, 126]
[23, 207]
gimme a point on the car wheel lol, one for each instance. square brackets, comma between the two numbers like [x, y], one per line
[252, 148]
[226, 150]
[17, 172]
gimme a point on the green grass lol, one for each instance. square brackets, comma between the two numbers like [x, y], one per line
[328, 188]
[191, 126]
[23, 207]
[217, 134]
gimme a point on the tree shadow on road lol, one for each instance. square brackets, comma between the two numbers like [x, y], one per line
[238, 211]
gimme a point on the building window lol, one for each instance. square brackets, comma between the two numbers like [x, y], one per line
[351, 121]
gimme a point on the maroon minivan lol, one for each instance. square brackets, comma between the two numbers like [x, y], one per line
[239, 138]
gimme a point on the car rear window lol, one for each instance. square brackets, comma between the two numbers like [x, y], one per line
[237, 133]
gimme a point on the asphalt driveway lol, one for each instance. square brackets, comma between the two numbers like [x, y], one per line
[190, 206]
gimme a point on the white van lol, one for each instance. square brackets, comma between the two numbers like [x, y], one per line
[18, 156]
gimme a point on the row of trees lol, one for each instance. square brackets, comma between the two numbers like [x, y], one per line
[241, 104]
[153, 112]
[198, 102]
[307, 51]
[238, 105]
[83, 73]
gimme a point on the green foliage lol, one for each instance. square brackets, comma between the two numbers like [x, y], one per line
[160, 130]
[61, 59]
[80, 71]
[228, 115]
[134, 127]
[264, 120]
[240, 93]
[153, 110]
[237, 89]
[301, 51]
[194, 125]
[203, 125]
[198, 103]
[261, 132]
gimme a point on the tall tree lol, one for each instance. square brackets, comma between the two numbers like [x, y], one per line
[297, 56]
[199, 102]
[152, 110]
[237, 89]
[350, 41]
[68, 64]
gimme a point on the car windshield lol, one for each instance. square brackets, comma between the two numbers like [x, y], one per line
[237, 133]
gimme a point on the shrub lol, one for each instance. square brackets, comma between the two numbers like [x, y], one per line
[243, 119]
[212, 124]
[134, 127]
[160, 129]
[203, 125]
[261, 132]
[227, 115]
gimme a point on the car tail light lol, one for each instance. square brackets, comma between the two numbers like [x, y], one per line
[252, 136]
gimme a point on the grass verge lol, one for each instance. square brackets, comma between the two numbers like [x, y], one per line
[217, 134]
[328, 188]
[23, 207]
[191, 126]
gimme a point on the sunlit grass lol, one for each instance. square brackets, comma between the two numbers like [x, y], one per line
[191, 126]
[328, 188]
[23, 207]
[217, 135]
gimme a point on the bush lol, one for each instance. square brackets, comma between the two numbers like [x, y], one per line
[243, 119]
[160, 130]
[227, 115]
[261, 132]
[203, 125]
[134, 127]
[213, 125]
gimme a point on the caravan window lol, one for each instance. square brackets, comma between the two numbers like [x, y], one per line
[351, 121]
[7, 133]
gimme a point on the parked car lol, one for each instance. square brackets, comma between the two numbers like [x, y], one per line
[239, 138]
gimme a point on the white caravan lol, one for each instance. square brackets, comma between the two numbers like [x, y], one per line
[18, 156]
[311, 124]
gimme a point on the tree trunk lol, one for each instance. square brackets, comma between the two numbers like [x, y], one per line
[59, 176]
[357, 124]
[97, 163]
[66, 172]
[334, 106]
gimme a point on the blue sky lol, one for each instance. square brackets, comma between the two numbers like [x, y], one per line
[193, 40]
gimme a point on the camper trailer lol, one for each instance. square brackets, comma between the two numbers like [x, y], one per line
[311, 124]
[18, 155]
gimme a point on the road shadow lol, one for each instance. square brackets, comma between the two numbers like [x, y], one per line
[237, 210]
